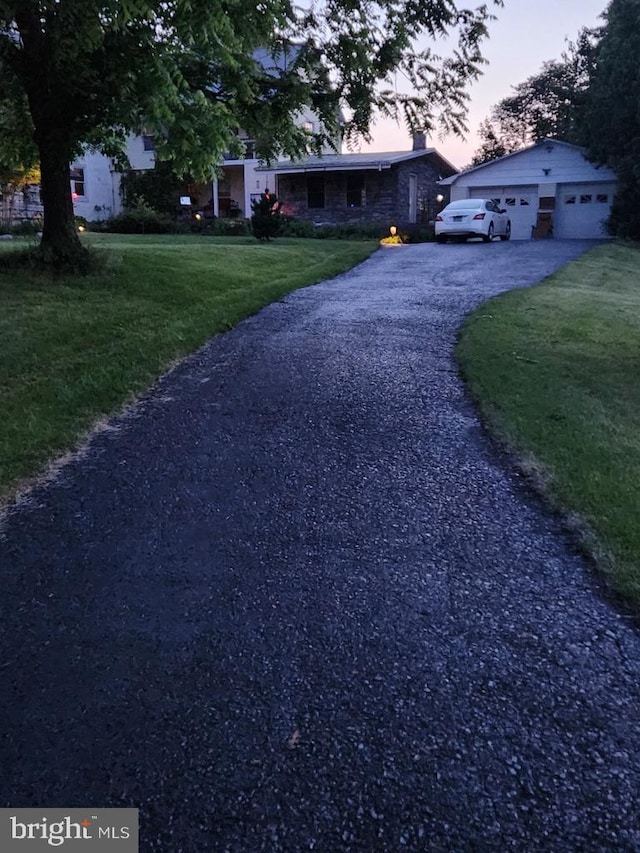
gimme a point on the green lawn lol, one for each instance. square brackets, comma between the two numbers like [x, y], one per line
[75, 349]
[556, 371]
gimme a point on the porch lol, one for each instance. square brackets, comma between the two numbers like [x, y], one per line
[230, 194]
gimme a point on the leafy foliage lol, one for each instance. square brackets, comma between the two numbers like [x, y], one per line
[612, 116]
[229, 228]
[491, 146]
[17, 148]
[18, 154]
[159, 186]
[292, 227]
[192, 72]
[26, 229]
[140, 218]
[265, 219]
[551, 103]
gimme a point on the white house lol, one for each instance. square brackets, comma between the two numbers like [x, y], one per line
[550, 190]
[95, 183]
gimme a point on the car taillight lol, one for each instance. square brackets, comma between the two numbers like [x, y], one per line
[479, 216]
[439, 219]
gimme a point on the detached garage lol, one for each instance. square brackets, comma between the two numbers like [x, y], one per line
[550, 190]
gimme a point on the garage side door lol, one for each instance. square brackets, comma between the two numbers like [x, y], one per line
[521, 204]
[581, 210]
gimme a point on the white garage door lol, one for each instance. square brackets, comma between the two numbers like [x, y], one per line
[521, 204]
[581, 210]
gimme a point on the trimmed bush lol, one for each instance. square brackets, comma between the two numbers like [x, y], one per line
[228, 228]
[140, 218]
[351, 231]
[292, 227]
[27, 228]
[265, 219]
[418, 233]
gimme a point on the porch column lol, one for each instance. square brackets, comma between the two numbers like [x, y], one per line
[248, 177]
[214, 196]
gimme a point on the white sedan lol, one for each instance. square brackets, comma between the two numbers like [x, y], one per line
[473, 217]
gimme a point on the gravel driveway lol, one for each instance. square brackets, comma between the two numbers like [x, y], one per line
[294, 600]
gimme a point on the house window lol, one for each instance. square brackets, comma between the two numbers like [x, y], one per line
[569, 199]
[602, 198]
[148, 142]
[77, 182]
[308, 126]
[355, 190]
[315, 191]
[586, 198]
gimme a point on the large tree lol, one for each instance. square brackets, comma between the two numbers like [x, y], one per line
[84, 72]
[612, 116]
[550, 103]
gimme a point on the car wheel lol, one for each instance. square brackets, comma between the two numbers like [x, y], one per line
[488, 237]
[507, 233]
[441, 238]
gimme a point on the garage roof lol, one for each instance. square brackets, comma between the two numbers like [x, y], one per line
[607, 174]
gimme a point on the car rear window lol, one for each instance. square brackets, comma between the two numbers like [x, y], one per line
[466, 204]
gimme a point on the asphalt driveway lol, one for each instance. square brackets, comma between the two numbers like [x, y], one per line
[294, 600]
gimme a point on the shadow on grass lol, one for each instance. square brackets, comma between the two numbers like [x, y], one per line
[38, 261]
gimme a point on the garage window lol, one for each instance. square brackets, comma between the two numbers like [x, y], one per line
[586, 198]
[510, 202]
[602, 198]
[569, 199]
[524, 201]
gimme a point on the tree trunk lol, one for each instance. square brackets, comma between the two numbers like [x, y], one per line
[60, 248]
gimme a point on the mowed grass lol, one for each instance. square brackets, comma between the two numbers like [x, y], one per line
[556, 371]
[75, 349]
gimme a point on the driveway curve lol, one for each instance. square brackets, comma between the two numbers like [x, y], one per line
[294, 600]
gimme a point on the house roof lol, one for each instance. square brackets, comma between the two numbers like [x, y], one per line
[376, 161]
[547, 141]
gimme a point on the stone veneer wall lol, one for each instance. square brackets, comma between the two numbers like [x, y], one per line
[386, 197]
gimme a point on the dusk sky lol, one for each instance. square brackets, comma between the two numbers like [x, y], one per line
[526, 34]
